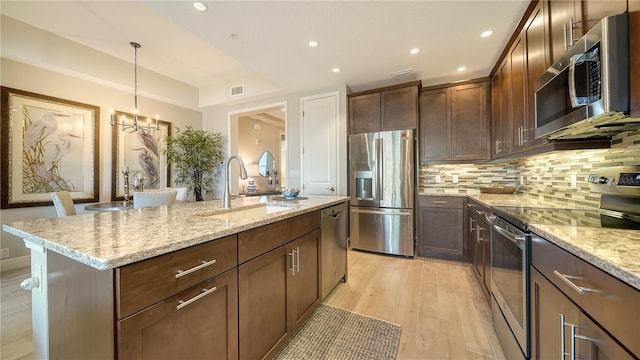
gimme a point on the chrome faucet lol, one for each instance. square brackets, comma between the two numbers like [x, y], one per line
[243, 175]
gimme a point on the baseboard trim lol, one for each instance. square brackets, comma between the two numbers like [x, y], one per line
[15, 263]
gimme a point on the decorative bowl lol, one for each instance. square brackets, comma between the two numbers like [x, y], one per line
[290, 194]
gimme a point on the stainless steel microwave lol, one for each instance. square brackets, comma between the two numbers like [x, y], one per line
[586, 93]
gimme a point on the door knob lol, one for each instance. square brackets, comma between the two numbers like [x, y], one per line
[332, 188]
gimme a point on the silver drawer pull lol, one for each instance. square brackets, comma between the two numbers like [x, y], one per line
[565, 278]
[439, 202]
[205, 292]
[204, 264]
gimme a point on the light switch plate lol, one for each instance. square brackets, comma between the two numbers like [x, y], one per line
[438, 179]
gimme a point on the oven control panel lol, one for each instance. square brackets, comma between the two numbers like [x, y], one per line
[617, 179]
[629, 179]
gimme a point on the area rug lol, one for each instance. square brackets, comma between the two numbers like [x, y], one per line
[336, 334]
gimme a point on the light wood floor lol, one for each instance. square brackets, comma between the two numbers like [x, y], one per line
[438, 303]
[15, 316]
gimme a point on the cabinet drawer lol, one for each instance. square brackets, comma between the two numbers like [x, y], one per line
[441, 201]
[612, 305]
[258, 241]
[146, 282]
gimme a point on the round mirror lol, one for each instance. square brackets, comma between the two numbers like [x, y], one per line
[265, 164]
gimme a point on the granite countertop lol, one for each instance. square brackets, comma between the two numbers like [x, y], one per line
[614, 251]
[106, 240]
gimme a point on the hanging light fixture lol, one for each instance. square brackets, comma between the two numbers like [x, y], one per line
[121, 122]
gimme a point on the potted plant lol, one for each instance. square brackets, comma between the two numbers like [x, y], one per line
[194, 155]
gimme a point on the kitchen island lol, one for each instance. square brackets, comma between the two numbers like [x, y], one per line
[135, 283]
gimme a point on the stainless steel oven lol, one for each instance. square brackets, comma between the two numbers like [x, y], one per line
[510, 260]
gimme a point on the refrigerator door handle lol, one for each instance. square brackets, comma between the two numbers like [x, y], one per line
[398, 212]
[380, 164]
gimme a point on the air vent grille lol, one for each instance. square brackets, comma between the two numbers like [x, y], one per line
[237, 90]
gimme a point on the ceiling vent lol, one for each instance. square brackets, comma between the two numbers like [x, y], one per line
[237, 90]
[400, 73]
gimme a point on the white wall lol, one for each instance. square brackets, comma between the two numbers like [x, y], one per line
[34, 79]
[217, 119]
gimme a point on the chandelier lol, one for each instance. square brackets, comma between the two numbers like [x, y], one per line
[135, 125]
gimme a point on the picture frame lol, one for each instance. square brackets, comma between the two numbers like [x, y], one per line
[140, 151]
[47, 144]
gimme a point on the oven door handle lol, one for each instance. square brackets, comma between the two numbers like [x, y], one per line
[517, 240]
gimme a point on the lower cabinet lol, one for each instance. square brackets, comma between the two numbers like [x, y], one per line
[480, 245]
[277, 291]
[441, 223]
[579, 311]
[561, 329]
[198, 323]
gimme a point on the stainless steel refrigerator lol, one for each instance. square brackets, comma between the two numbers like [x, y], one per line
[382, 176]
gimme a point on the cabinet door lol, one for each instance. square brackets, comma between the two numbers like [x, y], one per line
[469, 122]
[594, 10]
[304, 284]
[505, 102]
[561, 14]
[518, 94]
[435, 127]
[262, 291]
[364, 113]
[199, 323]
[399, 108]
[441, 232]
[537, 62]
[496, 115]
[549, 307]
[595, 343]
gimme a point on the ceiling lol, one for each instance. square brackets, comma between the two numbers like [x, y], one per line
[263, 45]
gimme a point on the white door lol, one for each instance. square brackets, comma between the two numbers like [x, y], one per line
[319, 145]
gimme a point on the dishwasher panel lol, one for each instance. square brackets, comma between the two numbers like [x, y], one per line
[334, 228]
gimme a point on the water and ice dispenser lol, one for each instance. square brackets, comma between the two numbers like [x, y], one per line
[364, 185]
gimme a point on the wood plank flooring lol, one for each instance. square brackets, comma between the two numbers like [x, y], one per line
[15, 316]
[438, 303]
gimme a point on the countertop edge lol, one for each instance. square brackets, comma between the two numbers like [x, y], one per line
[129, 258]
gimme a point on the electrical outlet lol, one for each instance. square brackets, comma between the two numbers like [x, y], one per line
[438, 179]
[521, 180]
[4, 253]
[455, 179]
[574, 181]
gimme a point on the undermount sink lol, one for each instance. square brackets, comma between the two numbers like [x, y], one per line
[248, 213]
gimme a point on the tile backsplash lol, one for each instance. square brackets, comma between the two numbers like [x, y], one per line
[548, 176]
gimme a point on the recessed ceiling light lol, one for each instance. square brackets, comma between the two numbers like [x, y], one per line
[313, 43]
[414, 51]
[462, 68]
[199, 5]
[336, 69]
[486, 33]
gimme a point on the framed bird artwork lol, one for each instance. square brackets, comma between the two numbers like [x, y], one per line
[48, 144]
[139, 151]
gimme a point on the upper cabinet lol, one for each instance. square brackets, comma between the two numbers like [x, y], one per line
[454, 123]
[391, 108]
[569, 20]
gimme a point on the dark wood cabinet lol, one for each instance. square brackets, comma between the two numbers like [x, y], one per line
[278, 290]
[198, 323]
[364, 113]
[442, 223]
[634, 59]
[479, 236]
[569, 20]
[517, 59]
[454, 123]
[434, 125]
[386, 109]
[556, 319]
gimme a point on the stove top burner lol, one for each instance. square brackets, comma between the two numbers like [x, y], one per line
[616, 211]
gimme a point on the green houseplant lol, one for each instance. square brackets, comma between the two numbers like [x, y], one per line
[195, 154]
